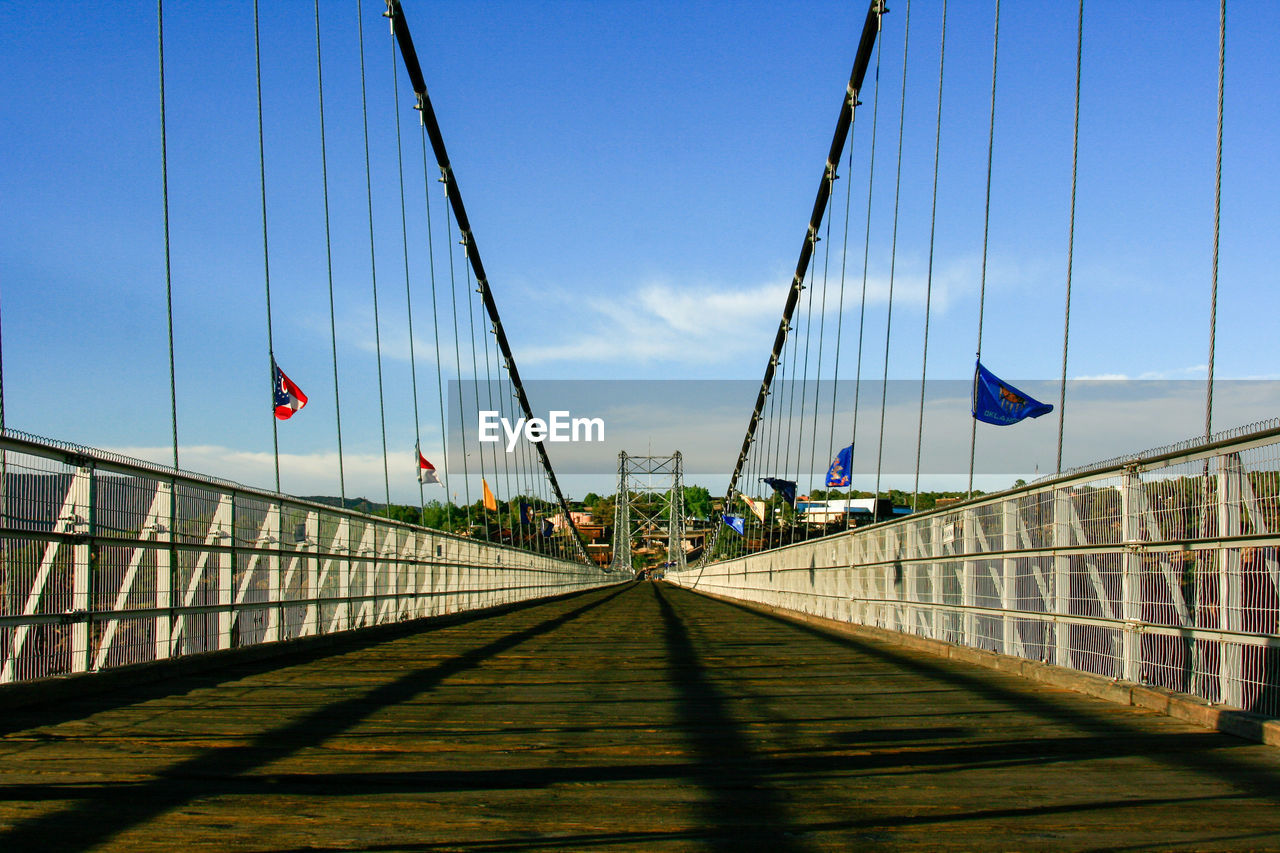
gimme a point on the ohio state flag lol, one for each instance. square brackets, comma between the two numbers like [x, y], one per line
[426, 471]
[288, 396]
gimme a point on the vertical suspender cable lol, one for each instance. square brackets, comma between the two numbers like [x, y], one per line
[168, 269]
[893, 251]
[475, 379]
[373, 261]
[822, 330]
[328, 251]
[793, 340]
[1217, 219]
[488, 384]
[804, 377]
[266, 254]
[986, 231]
[866, 254]
[1071, 236]
[408, 298]
[435, 326]
[844, 257]
[928, 290]
[457, 360]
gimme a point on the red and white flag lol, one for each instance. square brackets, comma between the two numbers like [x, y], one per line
[288, 396]
[426, 471]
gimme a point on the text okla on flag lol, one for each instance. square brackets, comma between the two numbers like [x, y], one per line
[997, 402]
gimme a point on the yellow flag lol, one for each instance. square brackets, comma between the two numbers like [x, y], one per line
[757, 507]
[490, 502]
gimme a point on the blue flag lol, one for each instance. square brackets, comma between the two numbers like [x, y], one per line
[787, 488]
[735, 522]
[526, 514]
[997, 402]
[547, 528]
[838, 473]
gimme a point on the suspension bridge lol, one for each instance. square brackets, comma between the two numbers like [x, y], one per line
[232, 656]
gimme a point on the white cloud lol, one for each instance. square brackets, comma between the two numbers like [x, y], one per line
[300, 473]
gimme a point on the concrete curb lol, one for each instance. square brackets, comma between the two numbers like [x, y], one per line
[57, 688]
[1190, 709]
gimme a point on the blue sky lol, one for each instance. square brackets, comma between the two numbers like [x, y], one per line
[639, 177]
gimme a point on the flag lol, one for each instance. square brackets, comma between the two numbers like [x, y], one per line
[734, 522]
[838, 473]
[997, 402]
[755, 506]
[426, 471]
[490, 502]
[526, 512]
[787, 488]
[288, 397]
[547, 528]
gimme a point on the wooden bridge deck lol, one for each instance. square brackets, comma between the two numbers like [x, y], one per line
[634, 717]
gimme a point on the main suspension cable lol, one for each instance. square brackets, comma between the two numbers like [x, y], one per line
[870, 29]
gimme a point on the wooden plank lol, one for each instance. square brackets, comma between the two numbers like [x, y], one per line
[633, 718]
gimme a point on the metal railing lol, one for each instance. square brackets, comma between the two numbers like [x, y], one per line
[107, 561]
[1161, 569]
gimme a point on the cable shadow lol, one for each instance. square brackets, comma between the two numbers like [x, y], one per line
[871, 829]
[739, 799]
[1207, 757]
[218, 668]
[112, 810]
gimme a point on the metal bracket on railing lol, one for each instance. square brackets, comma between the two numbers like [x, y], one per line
[73, 616]
[79, 460]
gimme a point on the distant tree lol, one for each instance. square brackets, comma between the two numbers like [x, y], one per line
[697, 501]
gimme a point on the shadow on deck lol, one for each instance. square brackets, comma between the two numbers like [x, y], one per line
[642, 716]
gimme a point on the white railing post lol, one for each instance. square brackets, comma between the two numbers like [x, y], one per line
[1061, 575]
[968, 577]
[311, 622]
[342, 544]
[1230, 669]
[1131, 573]
[83, 555]
[163, 518]
[892, 578]
[936, 547]
[1009, 574]
[226, 562]
[274, 542]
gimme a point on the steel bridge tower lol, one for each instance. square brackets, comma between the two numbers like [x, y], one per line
[641, 504]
